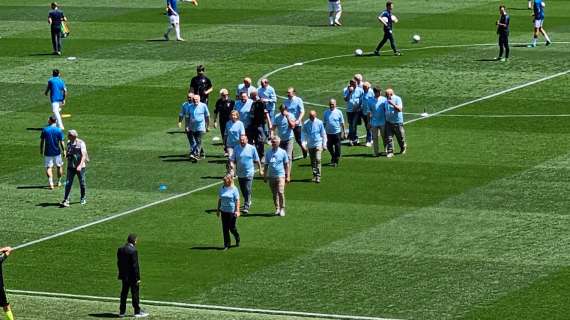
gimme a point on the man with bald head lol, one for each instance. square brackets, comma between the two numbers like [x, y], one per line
[394, 122]
[314, 139]
[334, 127]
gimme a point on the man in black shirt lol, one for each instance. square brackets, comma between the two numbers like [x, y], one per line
[224, 107]
[201, 85]
[256, 130]
[129, 274]
[55, 18]
[4, 253]
[503, 32]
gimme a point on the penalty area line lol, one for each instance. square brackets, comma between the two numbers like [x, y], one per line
[195, 306]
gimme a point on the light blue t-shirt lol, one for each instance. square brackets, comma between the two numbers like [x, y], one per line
[244, 110]
[244, 158]
[314, 133]
[391, 114]
[378, 112]
[233, 131]
[333, 120]
[185, 109]
[295, 107]
[52, 136]
[56, 86]
[355, 102]
[368, 100]
[229, 197]
[198, 114]
[282, 124]
[276, 161]
[269, 94]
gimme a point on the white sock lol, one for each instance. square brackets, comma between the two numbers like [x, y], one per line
[331, 19]
[177, 29]
[50, 180]
[337, 16]
[534, 41]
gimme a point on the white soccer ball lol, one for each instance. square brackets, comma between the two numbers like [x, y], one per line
[358, 52]
[416, 38]
[394, 19]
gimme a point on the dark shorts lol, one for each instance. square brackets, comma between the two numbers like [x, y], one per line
[3, 299]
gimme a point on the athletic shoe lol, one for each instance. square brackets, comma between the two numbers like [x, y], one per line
[532, 45]
[141, 314]
[193, 158]
[166, 37]
[314, 179]
[277, 212]
[337, 23]
[376, 53]
[390, 155]
[226, 248]
[122, 315]
[245, 211]
[180, 39]
[548, 43]
[397, 53]
[83, 202]
[503, 59]
[282, 212]
[51, 187]
[64, 204]
[369, 144]
[318, 180]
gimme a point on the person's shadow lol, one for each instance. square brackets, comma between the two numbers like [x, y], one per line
[104, 315]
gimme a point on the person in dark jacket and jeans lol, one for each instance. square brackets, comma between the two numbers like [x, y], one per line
[129, 274]
[55, 18]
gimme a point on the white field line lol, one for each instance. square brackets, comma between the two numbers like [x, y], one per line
[197, 306]
[115, 216]
[498, 115]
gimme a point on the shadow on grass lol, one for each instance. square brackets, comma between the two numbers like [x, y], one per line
[302, 180]
[48, 204]
[208, 248]
[218, 161]
[32, 187]
[156, 40]
[174, 156]
[212, 177]
[486, 60]
[253, 215]
[177, 160]
[104, 315]
[34, 129]
[175, 132]
[42, 54]
[521, 45]
[210, 211]
[358, 155]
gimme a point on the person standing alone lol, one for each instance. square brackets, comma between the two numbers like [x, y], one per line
[4, 253]
[129, 274]
[55, 19]
[503, 32]
[51, 147]
[77, 159]
[387, 20]
[57, 94]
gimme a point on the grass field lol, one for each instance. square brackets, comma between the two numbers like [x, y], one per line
[472, 223]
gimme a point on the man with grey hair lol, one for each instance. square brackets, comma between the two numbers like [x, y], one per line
[367, 101]
[278, 172]
[335, 128]
[268, 96]
[242, 161]
[245, 87]
[394, 122]
[314, 139]
[77, 159]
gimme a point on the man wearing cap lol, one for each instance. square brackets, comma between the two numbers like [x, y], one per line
[129, 274]
[51, 147]
[55, 19]
[57, 94]
[77, 159]
[201, 85]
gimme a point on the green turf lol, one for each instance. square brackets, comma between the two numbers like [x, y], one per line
[470, 223]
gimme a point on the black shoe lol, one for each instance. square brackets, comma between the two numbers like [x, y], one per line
[237, 243]
[397, 53]
[376, 53]
[304, 154]
[226, 248]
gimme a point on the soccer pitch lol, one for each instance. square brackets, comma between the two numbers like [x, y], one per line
[471, 223]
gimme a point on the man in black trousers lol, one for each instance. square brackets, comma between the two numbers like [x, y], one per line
[55, 18]
[128, 264]
[503, 32]
[387, 19]
[4, 253]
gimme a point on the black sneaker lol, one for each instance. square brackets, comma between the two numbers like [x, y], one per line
[397, 53]
[376, 53]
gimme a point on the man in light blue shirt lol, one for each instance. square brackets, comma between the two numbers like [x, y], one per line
[57, 94]
[243, 106]
[295, 107]
[283, 128]
[242, 161]
[245, 87]
[315, 140]
[268, 96]
[353, 96]
[394, 122]
[197, 123]
[334, 126]
[368, 100]
[377, 120]
[278, 172]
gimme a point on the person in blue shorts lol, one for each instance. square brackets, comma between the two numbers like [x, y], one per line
[538, 21]
[228, 209]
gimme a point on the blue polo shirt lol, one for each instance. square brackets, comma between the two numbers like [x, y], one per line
[233, 131]
[275, 161]
[52, 136]
[295, 107]
[314, 133]
[56, 88]
[245, 157]
[391, 114]
[368, 99]
[388, 15]
[244, 110]
[378, 112]
[333, 120]
[269, 94]
[284, 132]
[355, 102]
[229, 197]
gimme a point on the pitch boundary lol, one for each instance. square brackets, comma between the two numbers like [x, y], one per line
[196, 306]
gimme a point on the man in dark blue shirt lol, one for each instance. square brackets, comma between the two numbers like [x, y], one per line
[387, 20]
[55, 19]
[503, 32]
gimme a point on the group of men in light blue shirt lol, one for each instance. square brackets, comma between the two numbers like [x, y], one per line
[197, 122]
[386, 119]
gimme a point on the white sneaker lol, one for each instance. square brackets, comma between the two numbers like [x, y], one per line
[282, 212]
[122, 315]
[369, 144]
[390, 155]
[64, 204]
[142, 314]
[277, 212]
